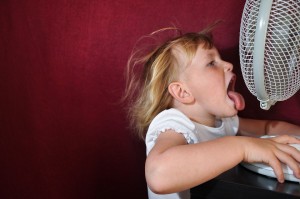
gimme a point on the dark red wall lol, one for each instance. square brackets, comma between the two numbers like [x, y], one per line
[63, 133]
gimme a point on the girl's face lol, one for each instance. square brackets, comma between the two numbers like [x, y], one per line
[211, 81]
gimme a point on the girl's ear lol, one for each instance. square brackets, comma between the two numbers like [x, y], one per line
[180, 93]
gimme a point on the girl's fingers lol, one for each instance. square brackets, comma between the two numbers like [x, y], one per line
[277, 151]
[286, 139]
[290, 150]
[277, 168]
[289, 161]
[286, 154]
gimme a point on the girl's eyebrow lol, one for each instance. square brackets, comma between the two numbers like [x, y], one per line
[209, 55]
[212, 54]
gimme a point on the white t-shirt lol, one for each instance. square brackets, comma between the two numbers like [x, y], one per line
[193, 133]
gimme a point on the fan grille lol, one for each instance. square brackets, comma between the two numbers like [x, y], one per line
[282, 48]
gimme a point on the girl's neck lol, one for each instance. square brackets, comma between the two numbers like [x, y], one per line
[211, 122]
[197, 116]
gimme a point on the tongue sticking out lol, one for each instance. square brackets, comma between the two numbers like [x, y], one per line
[238, 100]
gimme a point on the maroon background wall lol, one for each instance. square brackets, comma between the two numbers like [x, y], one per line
[62, 132]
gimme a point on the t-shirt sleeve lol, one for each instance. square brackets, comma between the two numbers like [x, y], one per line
[170, 119]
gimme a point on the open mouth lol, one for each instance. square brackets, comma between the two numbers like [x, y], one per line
[237, 99]
[231, 84]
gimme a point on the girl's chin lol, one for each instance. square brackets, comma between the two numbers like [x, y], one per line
[232, 108]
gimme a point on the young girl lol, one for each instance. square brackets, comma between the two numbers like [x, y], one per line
[185, 107]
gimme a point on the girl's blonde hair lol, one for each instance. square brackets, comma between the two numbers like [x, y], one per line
[149, 75]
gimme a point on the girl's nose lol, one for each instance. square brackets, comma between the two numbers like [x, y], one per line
[228, 66]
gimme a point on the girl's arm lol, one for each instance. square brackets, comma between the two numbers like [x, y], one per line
[172, 165]
[256, 128]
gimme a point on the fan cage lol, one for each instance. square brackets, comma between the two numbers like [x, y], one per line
[282, 48]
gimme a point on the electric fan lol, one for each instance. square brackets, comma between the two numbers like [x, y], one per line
[270, 49]
[270, 57]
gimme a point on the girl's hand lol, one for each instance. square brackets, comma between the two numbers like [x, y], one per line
[274, 151]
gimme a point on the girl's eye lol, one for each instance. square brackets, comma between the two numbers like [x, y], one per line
[212, 63]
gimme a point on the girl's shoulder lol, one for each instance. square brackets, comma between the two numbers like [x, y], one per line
[170, 119]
